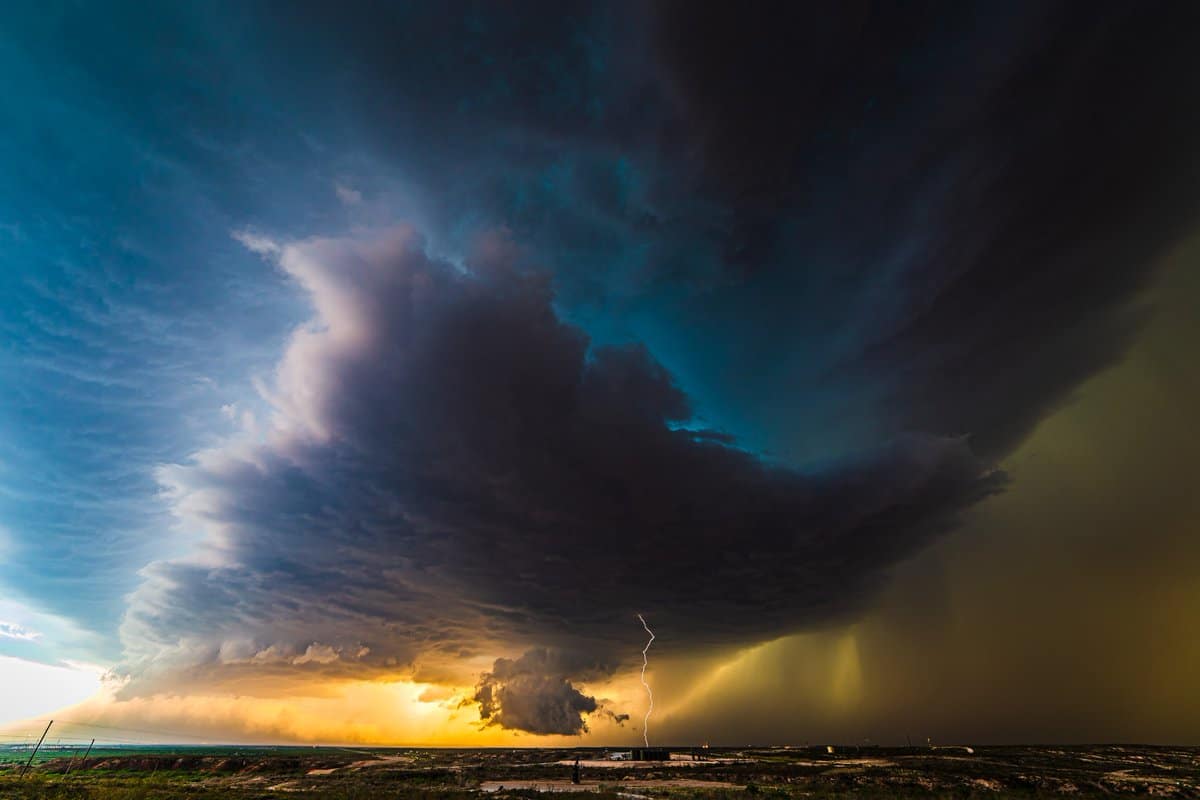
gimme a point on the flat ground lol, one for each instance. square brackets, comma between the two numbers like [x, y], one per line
[447, 774]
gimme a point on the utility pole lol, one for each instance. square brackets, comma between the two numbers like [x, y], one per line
[35, 749]
[85, 755]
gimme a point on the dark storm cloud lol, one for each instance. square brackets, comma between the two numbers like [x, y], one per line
[884, 241]
[1002, 178]
[925, 208]
[534, 693]
[452, 470]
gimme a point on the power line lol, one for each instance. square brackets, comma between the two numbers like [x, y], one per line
[25, 768]
[132, 730]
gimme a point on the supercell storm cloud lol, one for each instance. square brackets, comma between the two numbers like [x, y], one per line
[475, 467]
[454, 468]
[521, 321]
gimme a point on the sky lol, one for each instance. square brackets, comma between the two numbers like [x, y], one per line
[367, 368]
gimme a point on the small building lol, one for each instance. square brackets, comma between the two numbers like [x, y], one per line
[651, 754]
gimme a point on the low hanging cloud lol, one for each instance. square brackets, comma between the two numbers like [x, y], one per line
[533, 693]
[452, 473]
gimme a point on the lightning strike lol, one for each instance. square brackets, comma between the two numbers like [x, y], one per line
[650, 694]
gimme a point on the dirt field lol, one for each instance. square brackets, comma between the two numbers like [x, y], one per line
[443, 774]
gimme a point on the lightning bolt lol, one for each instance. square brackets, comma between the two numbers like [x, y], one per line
[645, 662]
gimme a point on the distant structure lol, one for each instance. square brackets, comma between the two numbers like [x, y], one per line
[651, 754]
